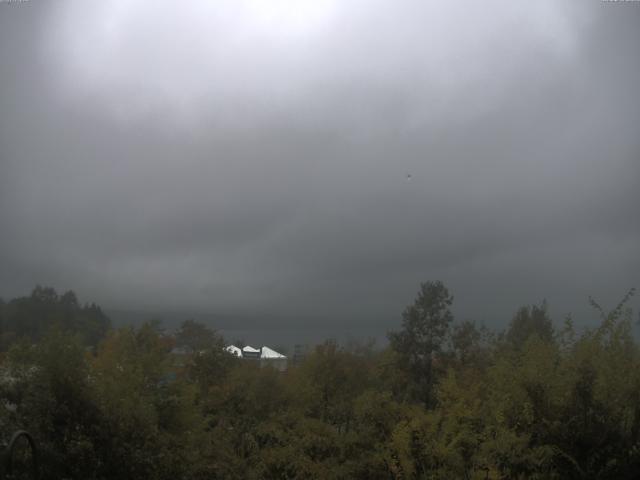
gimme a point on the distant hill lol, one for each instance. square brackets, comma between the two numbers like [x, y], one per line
[256, 331]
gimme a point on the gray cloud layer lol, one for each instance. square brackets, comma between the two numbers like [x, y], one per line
[239, 158]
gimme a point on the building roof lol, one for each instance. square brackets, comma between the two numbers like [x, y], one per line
[269, 353]
[233, 350]
[264, 352]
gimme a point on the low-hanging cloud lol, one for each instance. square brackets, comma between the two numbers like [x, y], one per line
[313, 161]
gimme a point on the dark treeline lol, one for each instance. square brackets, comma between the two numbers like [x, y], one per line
[444, 400]
[34, 316]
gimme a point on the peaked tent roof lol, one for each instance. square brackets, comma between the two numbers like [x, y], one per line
[269, 353]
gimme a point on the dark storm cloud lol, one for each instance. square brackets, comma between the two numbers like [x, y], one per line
[252, 157]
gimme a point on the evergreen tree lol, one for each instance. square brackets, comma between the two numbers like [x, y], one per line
[425, 325]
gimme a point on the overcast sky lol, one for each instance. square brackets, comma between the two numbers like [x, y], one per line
[309, 162]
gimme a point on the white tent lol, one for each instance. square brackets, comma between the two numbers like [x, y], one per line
[269, 353]
[233, 350]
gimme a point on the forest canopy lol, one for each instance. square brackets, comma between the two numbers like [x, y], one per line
[443, 400]
[34, 316]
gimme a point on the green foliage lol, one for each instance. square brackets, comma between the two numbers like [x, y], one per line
[34, 316]
[195, 336]
[48, 384]
[425, 325]
[528, 321]
[532, 405]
